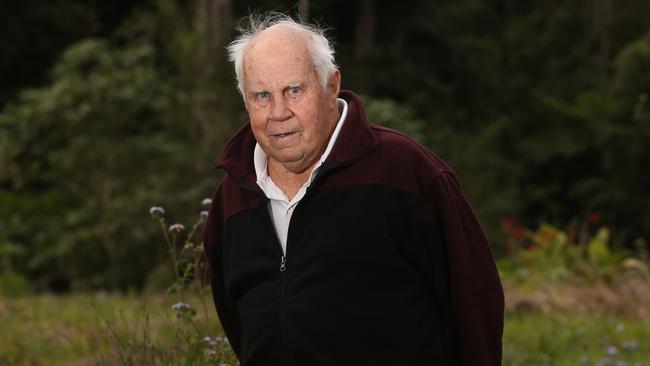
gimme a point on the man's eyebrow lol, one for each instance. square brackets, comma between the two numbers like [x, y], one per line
[296, 84]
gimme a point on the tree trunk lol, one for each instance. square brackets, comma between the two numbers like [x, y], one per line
[602, 20]
[365, 36]
[304, 10]
[212, 22]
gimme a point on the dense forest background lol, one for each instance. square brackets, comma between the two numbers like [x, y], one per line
[109, 108]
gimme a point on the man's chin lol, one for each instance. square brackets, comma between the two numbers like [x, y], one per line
[295, 167]
[286, 157]
[293, 164]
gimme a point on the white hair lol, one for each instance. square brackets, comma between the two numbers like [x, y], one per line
[318, 46]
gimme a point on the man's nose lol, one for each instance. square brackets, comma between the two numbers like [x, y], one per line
[280, 110]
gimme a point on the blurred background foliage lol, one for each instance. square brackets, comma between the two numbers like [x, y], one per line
[108, 108]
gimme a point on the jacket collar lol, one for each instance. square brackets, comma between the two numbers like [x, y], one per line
[355, 140]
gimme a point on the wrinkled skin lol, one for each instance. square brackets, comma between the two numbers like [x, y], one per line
[292, 116]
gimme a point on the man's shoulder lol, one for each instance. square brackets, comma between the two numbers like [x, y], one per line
[405, 151]
[396, 161]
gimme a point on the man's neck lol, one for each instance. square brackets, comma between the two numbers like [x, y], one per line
[288, 181]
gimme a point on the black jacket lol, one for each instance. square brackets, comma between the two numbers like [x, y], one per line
[386, 262]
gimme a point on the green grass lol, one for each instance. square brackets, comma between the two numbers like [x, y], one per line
[557, 339]
[87, 329]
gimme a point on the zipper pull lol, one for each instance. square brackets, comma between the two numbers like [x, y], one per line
[283, 263]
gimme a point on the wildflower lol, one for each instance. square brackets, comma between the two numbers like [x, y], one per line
[204, 213]
[507, 223]
[176, 228]
[584, 359]
[206, 202]
[223, 340]
[156, 211]
[212, 353]
[594, 217]
[183, 310]
[605, 362]
[181, 306]
[630, 345]
[611, 350]
[211, 341]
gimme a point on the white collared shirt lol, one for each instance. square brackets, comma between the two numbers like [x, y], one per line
[280, 207]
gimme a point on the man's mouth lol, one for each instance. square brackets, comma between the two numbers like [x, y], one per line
[283, 135]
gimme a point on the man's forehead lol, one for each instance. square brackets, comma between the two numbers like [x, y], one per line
[277, 59]
[277, 40]
[283, 33]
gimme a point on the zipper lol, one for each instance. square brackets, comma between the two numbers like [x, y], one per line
[285, 348]
[283, 263]
[284, 328]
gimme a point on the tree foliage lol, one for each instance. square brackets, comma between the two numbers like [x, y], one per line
[541, 108]
[80, 158]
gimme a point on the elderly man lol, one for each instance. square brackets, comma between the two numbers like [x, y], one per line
[332, 241]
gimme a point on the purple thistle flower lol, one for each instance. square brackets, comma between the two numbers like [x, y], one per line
[156, 211]
[176, 228]
[630, 345]
[181, 306]
[611, 350]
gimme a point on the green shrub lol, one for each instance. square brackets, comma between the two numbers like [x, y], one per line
[12, 284]
[549, 254]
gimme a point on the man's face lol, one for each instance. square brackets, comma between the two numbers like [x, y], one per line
[291, 114]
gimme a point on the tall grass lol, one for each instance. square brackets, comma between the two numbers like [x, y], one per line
[106, 329]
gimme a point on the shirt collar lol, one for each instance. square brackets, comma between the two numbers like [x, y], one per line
[260, 157]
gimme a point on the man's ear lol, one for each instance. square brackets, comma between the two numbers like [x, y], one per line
[335, 82]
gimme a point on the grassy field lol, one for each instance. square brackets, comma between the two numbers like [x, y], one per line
[566, 340]
[104, 329]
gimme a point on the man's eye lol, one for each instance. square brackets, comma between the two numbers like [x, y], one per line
[294, 90]
[263, 95]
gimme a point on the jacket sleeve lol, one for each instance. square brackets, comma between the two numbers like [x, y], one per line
[212, 241]
[475, 286]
